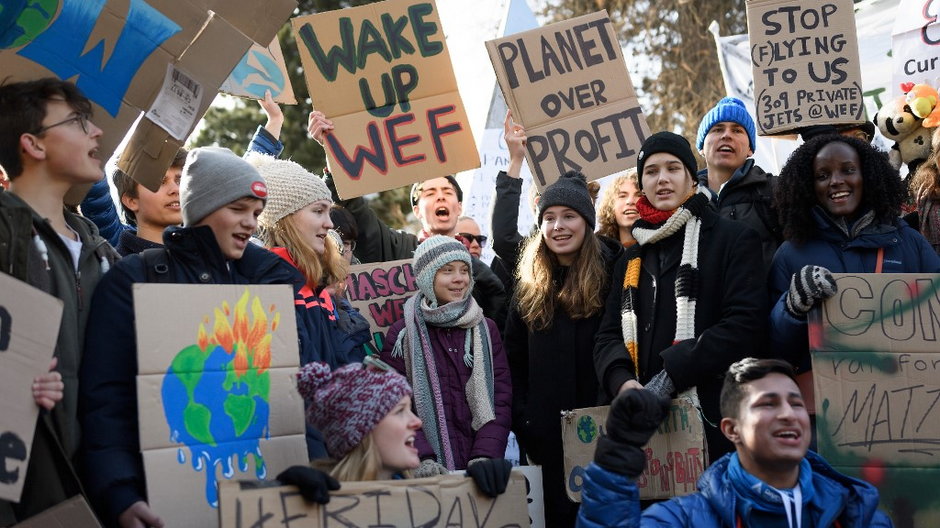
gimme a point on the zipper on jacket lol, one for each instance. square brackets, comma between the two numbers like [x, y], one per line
[78, 290]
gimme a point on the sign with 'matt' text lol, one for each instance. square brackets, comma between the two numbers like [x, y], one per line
[379, 292]
[876, 371]
[805, 61]
[567, 84]
[382, 74]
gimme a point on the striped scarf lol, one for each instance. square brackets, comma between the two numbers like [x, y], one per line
[655, 225]
[413, 344]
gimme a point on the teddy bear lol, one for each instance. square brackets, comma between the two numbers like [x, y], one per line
[898, 123]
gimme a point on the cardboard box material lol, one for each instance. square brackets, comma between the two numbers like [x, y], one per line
[117, 54]
[567, 84]
[262, 68]
[73, 513]
[876, 362]
[805, 63]
[379, 292]
[217, 397]
[675, 456]
[29, 329]
[447, 500]
[382, 73]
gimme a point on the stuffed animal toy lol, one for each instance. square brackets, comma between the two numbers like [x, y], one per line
[922, 98]
[911, 140]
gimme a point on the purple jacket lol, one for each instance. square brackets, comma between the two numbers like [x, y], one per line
[448, 345]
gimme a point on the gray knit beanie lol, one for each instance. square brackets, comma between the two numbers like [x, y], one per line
[214, 177]
[290, 187]
[432, 255]
[569, 191]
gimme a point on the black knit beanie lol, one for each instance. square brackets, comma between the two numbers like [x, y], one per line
[570, 191]
[669, 143]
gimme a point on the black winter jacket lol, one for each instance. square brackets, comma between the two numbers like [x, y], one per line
[730, 316]
[113, 469]
[748, 198]
[553, 371]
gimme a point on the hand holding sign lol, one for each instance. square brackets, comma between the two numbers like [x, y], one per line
[274, 114]
[515, 138]
[318, 126]
[48, 388]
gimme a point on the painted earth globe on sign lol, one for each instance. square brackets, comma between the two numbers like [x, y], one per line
[587, 429]
[22, 20]
[216, 393]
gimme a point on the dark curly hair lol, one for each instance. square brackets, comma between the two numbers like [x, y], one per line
[882, 189]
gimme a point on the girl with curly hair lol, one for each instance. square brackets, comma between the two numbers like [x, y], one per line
[839, 203]
[689, 298]
[561, 280]
[925, 187]
[618, 208]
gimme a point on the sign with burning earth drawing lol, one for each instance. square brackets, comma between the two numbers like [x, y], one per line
[216, 392]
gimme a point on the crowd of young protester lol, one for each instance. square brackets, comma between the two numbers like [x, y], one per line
[657, 292]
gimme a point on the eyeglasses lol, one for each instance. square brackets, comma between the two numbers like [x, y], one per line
[471, 237]
[81, 119]
[349, 246]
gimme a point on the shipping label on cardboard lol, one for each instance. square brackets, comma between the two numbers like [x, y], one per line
[177, 103]
[217, 397]
[382, 74]
[567, 84]
[261, 69]
[675, 456]
[805, 64]
[117, 54]
[447, 500]
[876, 371]
[379, 292]
[29, 329]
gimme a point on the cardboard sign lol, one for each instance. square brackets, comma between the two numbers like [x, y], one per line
[805, 62]
[568, 85]
[876, 369]
[382, 74]
[73, 513]
[117, 55]
[261, 69]
[379, 292]
[448, 500]
[915, 44]
[216, 395]
[675, 456]
[29, 329]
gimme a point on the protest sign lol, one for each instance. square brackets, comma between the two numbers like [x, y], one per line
[379, 292]
[261, 69]
[675, 456]
[73, 513]
[447, 500]
[217, 396]
[29, 329]
[567, 84]
[915, 44]
[118, 55]
[382, 74]
[805, 64]
[875, 367]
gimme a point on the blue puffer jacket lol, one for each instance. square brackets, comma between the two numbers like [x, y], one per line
[609, 499]
[905, 251]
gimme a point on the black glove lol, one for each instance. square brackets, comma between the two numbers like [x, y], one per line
[634, 416]
[809, 286]
[315, 485]
[491, 475]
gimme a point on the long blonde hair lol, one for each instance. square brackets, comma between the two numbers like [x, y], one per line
[925, 183]
[606, 217]
[320, 270]
[580, 296]
[363, 463]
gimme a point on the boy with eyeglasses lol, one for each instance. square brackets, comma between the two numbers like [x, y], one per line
[48, 144]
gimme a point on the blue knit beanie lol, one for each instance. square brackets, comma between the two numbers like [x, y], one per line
[728, 109]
